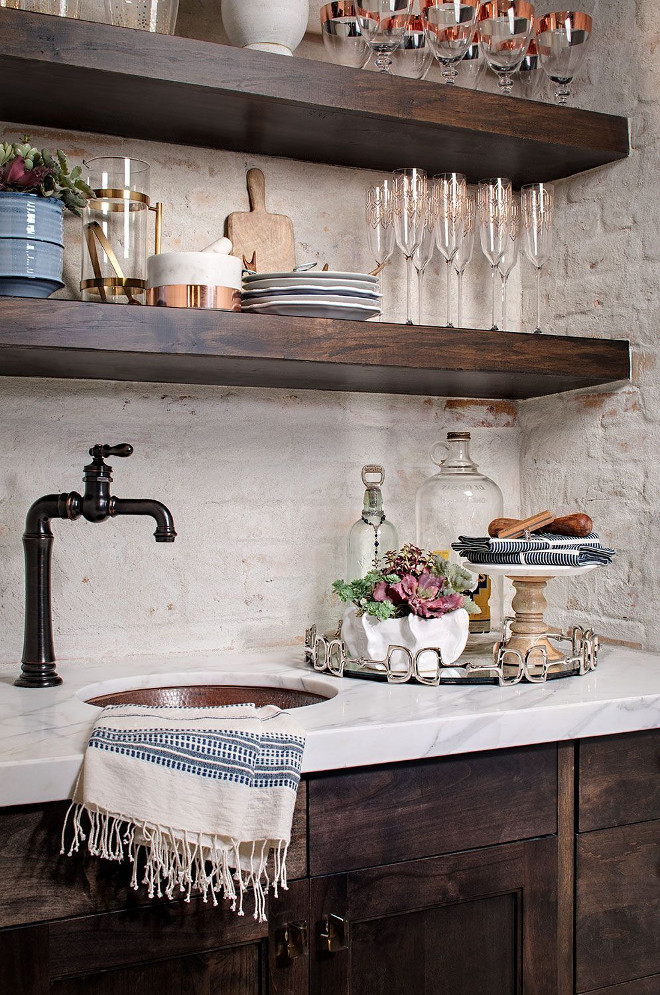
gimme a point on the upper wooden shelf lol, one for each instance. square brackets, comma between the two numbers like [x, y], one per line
[51, 338]
[70, 74]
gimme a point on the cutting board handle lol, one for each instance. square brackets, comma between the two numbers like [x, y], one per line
[256, 184]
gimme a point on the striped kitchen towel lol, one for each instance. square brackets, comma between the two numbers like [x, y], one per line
[202, 799]
[538, 549]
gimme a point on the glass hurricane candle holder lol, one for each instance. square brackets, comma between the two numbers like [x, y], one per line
[114, 250]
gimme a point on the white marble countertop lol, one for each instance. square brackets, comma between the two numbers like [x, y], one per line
[43, 733]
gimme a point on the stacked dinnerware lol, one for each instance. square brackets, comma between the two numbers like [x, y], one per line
[319, 294]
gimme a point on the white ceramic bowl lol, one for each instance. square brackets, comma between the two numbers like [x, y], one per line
[266, 25]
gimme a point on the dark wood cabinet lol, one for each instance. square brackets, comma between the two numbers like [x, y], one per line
[454, 876]
[478, 921]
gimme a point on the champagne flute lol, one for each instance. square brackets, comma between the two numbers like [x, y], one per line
[410, 199]
[424, 251]
[383, 24]
[380, 221]
[537, 201]
[494, 199]
[505, 30]
[510, 257]
[451, 196]
[463, 255]
[562, 42]
[450, 27]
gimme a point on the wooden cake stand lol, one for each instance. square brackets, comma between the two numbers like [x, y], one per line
[529, 628]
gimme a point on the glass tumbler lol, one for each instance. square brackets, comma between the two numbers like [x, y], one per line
[115, 227]
[342, 37]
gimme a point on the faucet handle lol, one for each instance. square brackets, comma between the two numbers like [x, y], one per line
[122, 449]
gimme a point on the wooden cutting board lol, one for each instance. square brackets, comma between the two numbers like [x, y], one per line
[269, 235]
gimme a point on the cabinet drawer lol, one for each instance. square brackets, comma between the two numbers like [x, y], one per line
[619, 780]
[618, 906]
[380, 815]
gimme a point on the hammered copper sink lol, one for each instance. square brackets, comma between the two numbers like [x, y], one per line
[209, 696]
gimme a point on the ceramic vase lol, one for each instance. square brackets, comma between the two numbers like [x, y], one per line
[266, 25]
[31, 245]
[369, 638]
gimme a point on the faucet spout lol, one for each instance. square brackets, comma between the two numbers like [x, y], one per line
[165, 531]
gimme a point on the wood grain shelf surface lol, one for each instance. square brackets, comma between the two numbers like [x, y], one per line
[69, 339]
[172, 89]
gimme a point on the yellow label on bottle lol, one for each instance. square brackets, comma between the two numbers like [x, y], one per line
[444, 553]
[481, 598]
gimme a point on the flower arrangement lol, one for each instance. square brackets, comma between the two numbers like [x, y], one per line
[410, 582]
[25, 169]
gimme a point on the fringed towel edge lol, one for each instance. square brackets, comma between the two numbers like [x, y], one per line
[181, 861]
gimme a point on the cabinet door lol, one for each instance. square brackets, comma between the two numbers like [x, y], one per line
[475, 923]
[169, 948]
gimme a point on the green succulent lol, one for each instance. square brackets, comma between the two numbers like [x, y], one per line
[26, 169]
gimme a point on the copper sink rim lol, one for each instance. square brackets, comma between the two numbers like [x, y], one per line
[314, 685]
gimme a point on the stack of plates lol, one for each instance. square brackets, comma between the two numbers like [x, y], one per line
[353, 296]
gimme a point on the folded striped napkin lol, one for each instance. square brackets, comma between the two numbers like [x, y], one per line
[202, 798]
[539, 549]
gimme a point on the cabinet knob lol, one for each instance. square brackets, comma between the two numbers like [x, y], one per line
[291, 941]
[333, 933]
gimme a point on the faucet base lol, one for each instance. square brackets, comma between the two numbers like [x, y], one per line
[38, 675]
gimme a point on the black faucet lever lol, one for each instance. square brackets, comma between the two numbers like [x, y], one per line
[95, 505]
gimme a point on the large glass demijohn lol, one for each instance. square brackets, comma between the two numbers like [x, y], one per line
[459, 500]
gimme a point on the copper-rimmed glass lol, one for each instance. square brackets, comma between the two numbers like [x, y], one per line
[537, 202]
[562, 39]
[413, 57]
[342, 36]
[383, 24]
[505, 29]
[494, 200]
[530, 74]
[450, 27]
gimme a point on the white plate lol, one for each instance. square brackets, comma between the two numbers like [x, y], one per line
[536, 570]
[316, 309]
[323, 287]
[304, 299]
[313, 275]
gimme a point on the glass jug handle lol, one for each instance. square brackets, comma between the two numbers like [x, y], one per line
[439, 453]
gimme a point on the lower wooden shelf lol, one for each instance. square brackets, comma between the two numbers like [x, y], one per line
[53, 338]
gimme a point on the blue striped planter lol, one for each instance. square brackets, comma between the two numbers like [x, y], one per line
[31, 245]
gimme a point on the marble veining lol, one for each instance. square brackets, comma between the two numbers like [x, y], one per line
[43, 733]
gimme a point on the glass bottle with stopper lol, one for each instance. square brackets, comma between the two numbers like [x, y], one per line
[459, 500]
[373, 534]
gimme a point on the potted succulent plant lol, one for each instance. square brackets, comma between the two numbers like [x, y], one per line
[35, 187]
[415, 599]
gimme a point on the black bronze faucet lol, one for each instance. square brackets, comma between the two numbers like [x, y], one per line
[38, 666]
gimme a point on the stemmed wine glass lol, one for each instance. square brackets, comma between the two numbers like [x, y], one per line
[510, 257]
[537, 200]
[450, 190]
[530, 73]
[424, 251]
[494, 199]
[450, 27]
[341, 33]
[505, 29]
[413, 57]
[562, 39]
[410, 201]
[463, 255]
[383, 24]
[380, 221]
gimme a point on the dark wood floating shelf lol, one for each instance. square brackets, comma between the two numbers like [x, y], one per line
[70, 74]
[51, 338]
